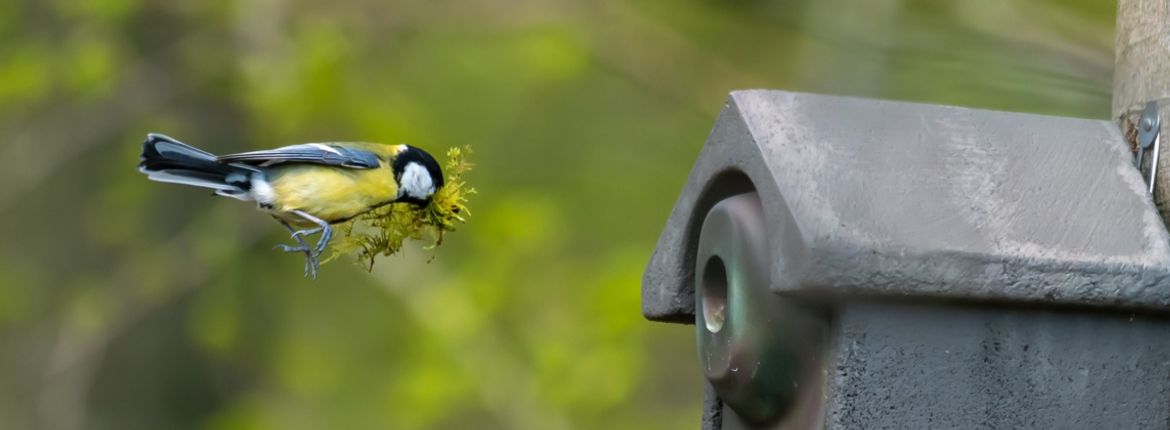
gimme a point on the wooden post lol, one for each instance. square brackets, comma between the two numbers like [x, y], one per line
[1142, 74]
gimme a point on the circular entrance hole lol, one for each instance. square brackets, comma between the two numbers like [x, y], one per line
[714, 294]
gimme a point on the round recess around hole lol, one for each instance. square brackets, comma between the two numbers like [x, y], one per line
[714, 294]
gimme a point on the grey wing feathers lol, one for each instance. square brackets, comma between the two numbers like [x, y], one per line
[315, 153]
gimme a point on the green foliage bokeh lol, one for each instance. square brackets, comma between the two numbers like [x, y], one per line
[126, 304]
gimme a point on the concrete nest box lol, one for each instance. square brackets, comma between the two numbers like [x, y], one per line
[854, 263]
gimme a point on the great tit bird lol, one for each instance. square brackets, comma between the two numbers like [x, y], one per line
[308, 186]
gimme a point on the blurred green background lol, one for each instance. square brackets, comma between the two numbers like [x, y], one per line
[126, 304]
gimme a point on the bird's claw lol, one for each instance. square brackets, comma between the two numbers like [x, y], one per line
[300, 234]
[326, 236]
[311, 261]
[312, 255]
[311, 265]
[290, 248]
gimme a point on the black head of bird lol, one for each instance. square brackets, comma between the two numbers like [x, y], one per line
[417, 174]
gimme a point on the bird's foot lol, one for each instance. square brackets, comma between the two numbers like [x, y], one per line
[326, 236]
[290, 248]
[301, 234]
[312, 255]
[311, 261]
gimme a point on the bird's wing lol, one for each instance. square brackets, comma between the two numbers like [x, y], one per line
[328, 154]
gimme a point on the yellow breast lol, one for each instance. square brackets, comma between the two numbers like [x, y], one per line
[333, 194]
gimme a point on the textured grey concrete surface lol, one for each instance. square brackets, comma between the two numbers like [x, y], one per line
[892, 199]
[955, 366]
[712, 410]
[920, 367]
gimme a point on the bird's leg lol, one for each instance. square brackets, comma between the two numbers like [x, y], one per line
[298, 234]
[326, 235]
[301, 247]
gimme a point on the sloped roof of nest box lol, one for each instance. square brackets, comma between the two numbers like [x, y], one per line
[882, 198]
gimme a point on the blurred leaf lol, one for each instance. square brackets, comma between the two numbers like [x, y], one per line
[90, 67]
[586, 118]
[25, 75]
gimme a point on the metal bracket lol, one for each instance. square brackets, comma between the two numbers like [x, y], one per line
[1149, 137]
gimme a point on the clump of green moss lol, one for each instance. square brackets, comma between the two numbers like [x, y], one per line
[382, 231]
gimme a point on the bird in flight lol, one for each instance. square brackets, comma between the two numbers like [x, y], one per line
[306, 187]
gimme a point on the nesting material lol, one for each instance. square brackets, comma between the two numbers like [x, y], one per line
[383, 231]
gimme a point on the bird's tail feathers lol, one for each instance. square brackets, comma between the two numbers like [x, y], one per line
[167, 160]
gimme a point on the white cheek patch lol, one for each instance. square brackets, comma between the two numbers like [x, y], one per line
[416, 182]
